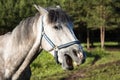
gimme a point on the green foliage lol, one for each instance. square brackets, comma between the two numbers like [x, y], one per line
[12, 12]
[93, 12]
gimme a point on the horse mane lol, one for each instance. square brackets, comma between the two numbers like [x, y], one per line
[29, 21]
[57, 15]
[24, 30]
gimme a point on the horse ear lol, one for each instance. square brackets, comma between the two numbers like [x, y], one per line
[40, 9]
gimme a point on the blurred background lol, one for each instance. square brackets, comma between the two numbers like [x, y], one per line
[96, 25]
[94, 20]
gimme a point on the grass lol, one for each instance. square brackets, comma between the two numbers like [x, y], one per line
[110, 71]
[107, 44]
[45, 68]
[103, 68]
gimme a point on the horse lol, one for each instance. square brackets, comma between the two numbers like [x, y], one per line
[50, 29]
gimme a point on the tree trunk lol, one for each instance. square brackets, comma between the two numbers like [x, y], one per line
[88, 40]
[102, 36]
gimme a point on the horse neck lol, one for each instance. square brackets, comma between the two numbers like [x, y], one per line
[25, 38]
[27, 31]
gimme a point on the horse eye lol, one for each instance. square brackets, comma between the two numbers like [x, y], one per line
[56, 27]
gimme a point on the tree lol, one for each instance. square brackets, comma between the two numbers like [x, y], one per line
[97, 15]
[86, 14]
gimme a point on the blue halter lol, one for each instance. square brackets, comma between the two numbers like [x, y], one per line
[54, 47]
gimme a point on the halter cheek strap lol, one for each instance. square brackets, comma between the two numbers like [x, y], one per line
[55, 47]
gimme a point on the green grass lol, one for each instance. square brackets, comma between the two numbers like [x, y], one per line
[109, 71]
[45, 68]
[97, 44]
[106, 43]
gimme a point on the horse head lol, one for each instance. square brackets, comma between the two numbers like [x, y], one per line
[58, 37]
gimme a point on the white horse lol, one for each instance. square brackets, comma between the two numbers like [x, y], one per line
[50, 29]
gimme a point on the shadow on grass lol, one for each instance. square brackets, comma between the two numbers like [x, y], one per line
[96, 54]
[112, 47]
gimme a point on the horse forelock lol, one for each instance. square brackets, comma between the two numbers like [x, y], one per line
[57, 15]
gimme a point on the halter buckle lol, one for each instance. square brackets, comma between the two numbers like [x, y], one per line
[56, 48]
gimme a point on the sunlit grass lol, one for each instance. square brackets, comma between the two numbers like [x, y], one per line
[45, 67]
[97, 44]
[107, 43]
[108, 72]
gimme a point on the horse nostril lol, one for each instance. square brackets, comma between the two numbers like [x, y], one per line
[75, 52]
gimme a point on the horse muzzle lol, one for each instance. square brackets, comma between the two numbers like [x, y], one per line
[71, 58]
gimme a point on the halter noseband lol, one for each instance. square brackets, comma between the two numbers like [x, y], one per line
[55, 47]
